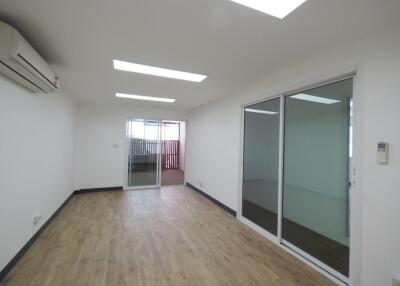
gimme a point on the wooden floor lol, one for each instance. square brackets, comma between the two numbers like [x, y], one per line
[172, 236]
[326, 250]
[172, 177]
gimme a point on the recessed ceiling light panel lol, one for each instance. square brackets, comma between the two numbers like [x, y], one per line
[156, 71]
[260, 111]
[276, 8]
[142, 97]
[307, 97]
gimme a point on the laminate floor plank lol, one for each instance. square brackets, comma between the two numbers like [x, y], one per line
[169, 236]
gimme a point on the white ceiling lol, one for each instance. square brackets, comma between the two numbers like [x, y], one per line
[230, 43]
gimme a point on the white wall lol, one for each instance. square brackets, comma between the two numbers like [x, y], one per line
[214, 140]
[212, 150]
[98, 162]
[36, 161]
[182, 143]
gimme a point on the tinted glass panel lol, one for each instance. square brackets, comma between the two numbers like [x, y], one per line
[316, 173]
[261, 164]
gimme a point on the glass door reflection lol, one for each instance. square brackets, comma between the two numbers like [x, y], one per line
[316, 173]
[261, 164]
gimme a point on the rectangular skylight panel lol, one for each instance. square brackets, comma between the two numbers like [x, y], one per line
[276, 8]
[307, 97]
[260, 111]
[156, 71]
[142, 97]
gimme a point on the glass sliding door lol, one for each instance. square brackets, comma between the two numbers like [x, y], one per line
[143, 138]
[316, 179]
[261, 164]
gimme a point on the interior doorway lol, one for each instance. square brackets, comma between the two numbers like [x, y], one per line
[155, 153]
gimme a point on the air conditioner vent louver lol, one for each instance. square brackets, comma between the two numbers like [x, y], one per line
[23, 77]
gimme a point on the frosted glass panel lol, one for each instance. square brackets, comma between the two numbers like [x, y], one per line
[316, 173]
[261, 164]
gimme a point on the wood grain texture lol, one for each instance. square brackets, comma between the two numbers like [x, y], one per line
[172, 236]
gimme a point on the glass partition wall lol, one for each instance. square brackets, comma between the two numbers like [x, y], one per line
[307, 207]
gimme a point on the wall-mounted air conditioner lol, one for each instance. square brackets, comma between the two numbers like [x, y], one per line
[22, 64]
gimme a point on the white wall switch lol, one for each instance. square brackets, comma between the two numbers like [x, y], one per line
[383, 153]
